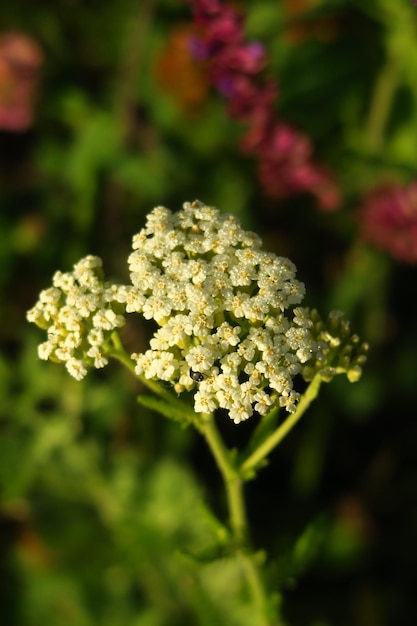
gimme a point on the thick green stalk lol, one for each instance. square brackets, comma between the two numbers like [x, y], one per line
[232, 480]
[238, 519]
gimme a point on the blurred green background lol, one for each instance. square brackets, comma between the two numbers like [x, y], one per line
[99, 499]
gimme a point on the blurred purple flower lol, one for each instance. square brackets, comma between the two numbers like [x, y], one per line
[285, 156]
[198, 49]
[389, 220]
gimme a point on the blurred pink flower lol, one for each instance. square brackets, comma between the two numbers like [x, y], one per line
[20, 61]
[285, 156]
[389, 220]
[286, 164]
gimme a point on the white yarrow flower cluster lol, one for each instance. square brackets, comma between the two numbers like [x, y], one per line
[230, 330]
[79, 312]
[227, 329]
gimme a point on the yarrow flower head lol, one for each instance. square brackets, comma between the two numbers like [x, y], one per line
[221, 303]
[230, 330]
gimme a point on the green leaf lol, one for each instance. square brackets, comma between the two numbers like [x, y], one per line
[304, 550]
[175, 412]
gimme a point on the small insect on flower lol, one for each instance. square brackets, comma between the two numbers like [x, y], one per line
[196, 376]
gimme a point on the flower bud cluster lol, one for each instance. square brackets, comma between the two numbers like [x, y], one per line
[79, 312]
[340, 351]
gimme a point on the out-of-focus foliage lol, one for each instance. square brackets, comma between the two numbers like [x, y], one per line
[102, 519]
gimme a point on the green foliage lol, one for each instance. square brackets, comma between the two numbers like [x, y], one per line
[167, 409]
[106, 535]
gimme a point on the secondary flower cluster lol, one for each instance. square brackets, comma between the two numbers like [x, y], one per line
[229, 328]
[79, 313]
[285, 156]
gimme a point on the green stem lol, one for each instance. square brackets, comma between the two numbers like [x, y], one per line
[278, 435]
[381, 104]
[234, 484]
[118, 352]
[256, 585]
[134, 48]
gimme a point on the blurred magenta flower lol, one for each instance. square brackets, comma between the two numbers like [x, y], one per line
[285, 156]
[286, 163]
[389, 220]
[20, 61]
